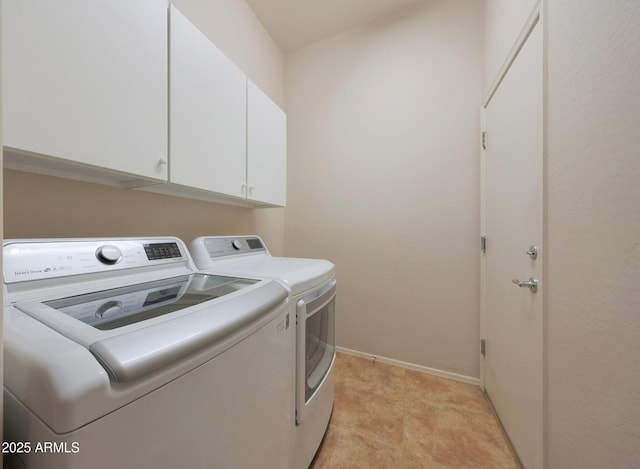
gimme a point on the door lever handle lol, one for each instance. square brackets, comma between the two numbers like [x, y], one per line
[532, 284]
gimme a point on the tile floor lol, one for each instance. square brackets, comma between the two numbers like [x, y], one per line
[390, 417]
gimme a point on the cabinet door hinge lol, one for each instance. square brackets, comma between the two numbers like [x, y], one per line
[484, 140]
[483, 347]
[483, 243]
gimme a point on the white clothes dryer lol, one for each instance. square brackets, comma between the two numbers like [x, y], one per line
[118, 353]
[312, 289]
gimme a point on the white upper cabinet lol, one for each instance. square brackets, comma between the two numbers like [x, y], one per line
[85, 88]
[109, 91]
[208, 118]
[227, 138]
[266, 149]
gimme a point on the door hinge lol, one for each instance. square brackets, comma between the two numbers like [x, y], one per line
[483, 243]
[483, 347]
[484, 140]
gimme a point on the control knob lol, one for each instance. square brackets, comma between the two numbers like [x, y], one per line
[237, 245]
[109, 254]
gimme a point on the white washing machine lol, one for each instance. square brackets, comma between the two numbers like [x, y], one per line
[312, 287]
[118, 353]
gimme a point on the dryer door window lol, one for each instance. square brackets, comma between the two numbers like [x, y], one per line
[319, 348]
[316, 345]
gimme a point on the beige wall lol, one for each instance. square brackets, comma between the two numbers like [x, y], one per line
[39, 206]
[592, 195]
[593, 177]
[383, 179]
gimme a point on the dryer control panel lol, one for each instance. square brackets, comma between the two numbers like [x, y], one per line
[26, 260]
[223, 246]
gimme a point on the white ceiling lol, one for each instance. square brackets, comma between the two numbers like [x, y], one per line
[296, 23]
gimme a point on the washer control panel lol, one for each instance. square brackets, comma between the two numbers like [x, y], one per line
[223, 246]
[43, 259]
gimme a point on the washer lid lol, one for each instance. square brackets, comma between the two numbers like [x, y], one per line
[118, 307]
[135, 330]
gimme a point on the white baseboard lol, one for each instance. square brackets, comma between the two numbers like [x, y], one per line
[411, 366]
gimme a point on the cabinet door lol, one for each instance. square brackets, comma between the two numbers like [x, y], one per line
[266, 149]
[208, 113]
[86, 82]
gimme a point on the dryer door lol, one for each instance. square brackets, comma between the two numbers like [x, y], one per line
[316, 347]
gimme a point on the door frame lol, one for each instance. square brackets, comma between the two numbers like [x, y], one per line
[536, 16]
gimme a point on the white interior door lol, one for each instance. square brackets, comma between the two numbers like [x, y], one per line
[512, 367]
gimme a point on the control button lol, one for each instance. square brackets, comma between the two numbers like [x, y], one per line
[109, 254]
[237, 245]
